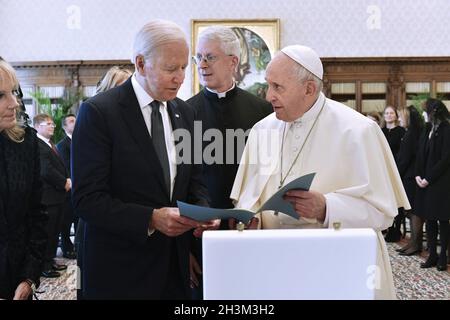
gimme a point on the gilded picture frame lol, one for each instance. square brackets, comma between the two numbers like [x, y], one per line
[260, 39]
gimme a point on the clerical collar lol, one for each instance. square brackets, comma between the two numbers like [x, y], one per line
[221, 94]
[311, 114]
[143, 98]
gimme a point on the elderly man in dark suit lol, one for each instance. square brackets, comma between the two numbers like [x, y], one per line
[63, 146]
[127, 179]
[56, 184]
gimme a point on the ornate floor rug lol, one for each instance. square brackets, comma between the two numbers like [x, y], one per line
[411, 282]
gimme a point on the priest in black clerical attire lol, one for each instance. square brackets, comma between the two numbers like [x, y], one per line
[222, 106]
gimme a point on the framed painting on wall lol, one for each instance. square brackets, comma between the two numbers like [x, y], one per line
[259, 39]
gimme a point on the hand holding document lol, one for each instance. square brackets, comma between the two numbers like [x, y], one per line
[275, 203]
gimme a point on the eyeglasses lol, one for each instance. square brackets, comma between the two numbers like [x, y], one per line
[17, 93]
[48, 124]
[209, 59]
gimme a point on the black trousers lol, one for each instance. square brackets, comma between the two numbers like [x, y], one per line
[55, 215]
[432, 234]
[68, 219]
[174, 288]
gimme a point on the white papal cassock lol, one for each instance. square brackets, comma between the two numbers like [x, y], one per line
[355, 170]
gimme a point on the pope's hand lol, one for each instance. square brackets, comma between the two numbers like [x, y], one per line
[170, 222]
[308, 204]
[208, 225]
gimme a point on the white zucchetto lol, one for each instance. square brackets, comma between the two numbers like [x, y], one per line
[306, 57]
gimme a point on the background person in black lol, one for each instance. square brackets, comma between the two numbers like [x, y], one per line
[394, 134]
[412, 121]
[433, 180]
[223, 106]
[392, 129]
[56, 184]
[63, 146]
[23, 219]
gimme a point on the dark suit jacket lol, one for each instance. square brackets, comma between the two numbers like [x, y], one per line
[433, 164]
[63, 147]
[53, 175]
[406, 161]
[23, 235]
[117, 182]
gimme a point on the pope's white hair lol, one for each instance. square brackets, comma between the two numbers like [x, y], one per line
[304, 75]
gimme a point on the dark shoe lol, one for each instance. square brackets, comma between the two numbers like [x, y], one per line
[403, 249]
[431, 262]
[70, 255]
[50, 274]
[59, 267]
[410, 252]
[441, 267]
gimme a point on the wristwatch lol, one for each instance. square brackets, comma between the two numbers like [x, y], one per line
[32, 285]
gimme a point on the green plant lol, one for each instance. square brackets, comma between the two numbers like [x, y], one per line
[419, 99]
[59, 109]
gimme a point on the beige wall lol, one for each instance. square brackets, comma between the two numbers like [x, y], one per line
[103, 29]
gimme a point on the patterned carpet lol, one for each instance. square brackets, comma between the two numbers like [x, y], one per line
[411, 282]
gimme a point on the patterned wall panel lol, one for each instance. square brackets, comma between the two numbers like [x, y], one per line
[103, 29]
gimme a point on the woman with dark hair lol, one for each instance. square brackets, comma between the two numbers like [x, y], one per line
[411, 119]
[394, 134]
[23, 235]
[433, 180]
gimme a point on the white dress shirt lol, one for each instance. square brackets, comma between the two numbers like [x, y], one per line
[47, 141]
[144, 100]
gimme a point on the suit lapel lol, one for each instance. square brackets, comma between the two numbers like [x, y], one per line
[132, 115]
[55, 154]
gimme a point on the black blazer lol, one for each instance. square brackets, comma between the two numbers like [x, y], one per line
[406, 161]
[63, 147]
[238, 110]
[23, 236]
[53, 175]
[117, 182]
[433, 164]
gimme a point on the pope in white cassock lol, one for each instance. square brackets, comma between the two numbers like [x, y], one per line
[356, 182]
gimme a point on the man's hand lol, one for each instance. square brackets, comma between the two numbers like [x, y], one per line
[253, 224]
[308, 204]
[169, 222]
[68, 185]
[194, 270]
[208, 225]
[422, 183]
[23, 291]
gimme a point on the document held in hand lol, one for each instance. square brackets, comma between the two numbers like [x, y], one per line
[275, 203]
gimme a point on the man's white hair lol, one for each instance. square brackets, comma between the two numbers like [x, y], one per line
[154, 34]
[229, 42]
